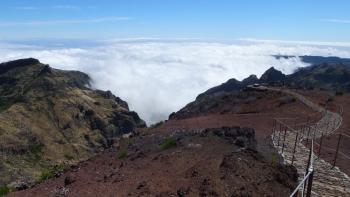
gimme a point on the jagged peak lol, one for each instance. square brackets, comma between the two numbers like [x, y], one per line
[272, 74]
[250, 80]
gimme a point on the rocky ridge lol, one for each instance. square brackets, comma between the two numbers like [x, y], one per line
[51, 118]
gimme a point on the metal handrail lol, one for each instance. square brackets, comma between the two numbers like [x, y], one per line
[302, 183]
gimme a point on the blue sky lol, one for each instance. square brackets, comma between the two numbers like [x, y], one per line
[302, 20]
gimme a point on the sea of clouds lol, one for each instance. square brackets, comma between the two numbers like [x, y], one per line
[158, 77]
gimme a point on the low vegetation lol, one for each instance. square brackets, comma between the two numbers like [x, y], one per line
[274, 159]
[168, 143]
[50, 172]
[4, 190]
[46, 174]
[68, 156]
[122, 154]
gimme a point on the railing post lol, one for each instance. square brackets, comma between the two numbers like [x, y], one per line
[336, 152]
[279, 134]
[314, 132]
[319, 149]
[302, 131]
[327, 128]
[273, 129]
[309, 184]
[284, 138]
[309, 160]
[295, 145]
[308, 133]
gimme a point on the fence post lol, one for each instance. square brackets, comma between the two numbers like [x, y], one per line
[336, 152]
[309, 184]
[303, 131]
[284, 138]
[319, 149]
[295, 144]
[309, 160]
[328, 123]
[308, 133]
[314, 132]
[273, 129]
[279, 134]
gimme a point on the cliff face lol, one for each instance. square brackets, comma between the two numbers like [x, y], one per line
[50, 117]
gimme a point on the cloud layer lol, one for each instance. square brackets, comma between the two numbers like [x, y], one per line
[70, 21]
[159, 77]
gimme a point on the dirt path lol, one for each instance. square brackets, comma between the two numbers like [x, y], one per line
[328, 181]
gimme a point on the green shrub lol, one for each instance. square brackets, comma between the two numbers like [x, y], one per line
[168, 143]
[122, 154]
[68, 156]
[274, 158]
[4, 190]
[59, 168]
[46, 174]
[131, 141]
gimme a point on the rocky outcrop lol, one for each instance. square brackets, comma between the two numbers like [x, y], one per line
[252, 79]
[231, 85]
[51, 117]
[272, 75]
[240, 136]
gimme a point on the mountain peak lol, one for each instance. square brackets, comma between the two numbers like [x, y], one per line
[48, 111]
[250, 80]
[4, 67]
[271, 75]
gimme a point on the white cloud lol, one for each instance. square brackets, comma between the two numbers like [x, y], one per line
[72, 7]
[310, 43]
[70, 21]
[157, 78]
[338, 21]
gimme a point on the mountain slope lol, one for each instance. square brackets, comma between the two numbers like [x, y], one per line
[50, 117]
[330, 76]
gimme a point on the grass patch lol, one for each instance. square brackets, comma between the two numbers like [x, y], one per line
[46, 174]
[36, 152]
[168, 143]
[68, 156]
[4, 190]
[131, 141]
[122, 154]
[274, 159]
[60, 168]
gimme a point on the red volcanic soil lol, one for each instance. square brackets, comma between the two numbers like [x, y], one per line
[262, 120]
[199, 164]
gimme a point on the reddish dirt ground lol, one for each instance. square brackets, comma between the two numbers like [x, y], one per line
[198, 166]
[261, 122]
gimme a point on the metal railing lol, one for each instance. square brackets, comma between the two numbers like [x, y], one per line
[280, 130]
[306, 182]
